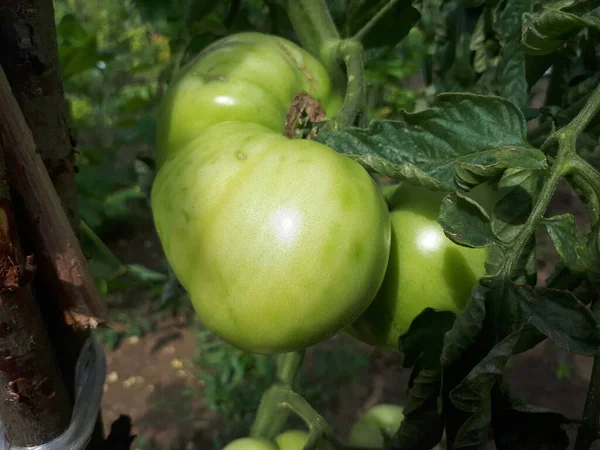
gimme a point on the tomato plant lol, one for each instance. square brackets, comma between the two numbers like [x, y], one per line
[283, 242]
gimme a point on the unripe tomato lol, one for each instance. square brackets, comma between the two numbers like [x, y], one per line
[425, 269]
[370, 428]
[379, 421]
[296, 439]
[280, 243]
[244, 77]
[251, 444]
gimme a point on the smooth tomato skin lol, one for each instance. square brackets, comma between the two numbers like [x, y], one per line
[247, 77]
[425, 269]
[368, 431]
[280, 243]
[251, 444]
[296, 439]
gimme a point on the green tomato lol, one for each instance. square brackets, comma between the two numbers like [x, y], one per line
[280, 243]
[379, 421]
[425, 269]
[296, 439]
[244, 77]
[251, 444]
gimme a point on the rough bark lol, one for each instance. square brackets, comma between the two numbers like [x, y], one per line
[30, 59]
[34, 405]
[62, 262]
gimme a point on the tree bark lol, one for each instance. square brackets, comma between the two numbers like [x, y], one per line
[30, 58]
[34, 405]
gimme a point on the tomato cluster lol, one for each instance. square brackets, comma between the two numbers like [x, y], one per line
[283, 242]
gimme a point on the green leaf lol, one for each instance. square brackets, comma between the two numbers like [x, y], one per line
[479, 382]
[79, 58]
[474, 135]
[530, 427]
[510, 73]
[560, 316]
[466, 327]
[425, 337]
[389, 29]
[547, 31]
[474, 432]
[518, 190]
[465, 222]
[71, 30]
[144, 274]
[422, 425]
[573, 246]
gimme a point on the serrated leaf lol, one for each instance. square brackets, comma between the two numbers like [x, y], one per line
[422, 425]
[465, 222]
[510, 73]
[547, 31]
[530, 427]
[561, 317]
[474, 433]
[479, 382]
[484, 134]
[572, 244]
[466, 327]
[425, 337]
[517, 191]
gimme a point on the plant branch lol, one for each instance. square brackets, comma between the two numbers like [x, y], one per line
[354, 101]
[288, 366]
[360, 35]
[585, 116]
[313, 24]
[57, 247]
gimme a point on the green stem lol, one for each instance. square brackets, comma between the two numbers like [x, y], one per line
[360, 35]
[588, 432]
[288, 366]
[313, 24]
[586, 171]
[354, 101]
[102, 248]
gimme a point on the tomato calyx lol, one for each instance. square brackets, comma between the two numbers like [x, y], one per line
[304, 117]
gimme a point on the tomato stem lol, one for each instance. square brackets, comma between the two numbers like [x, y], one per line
[313, 24]
[351, 52]
[360, 35]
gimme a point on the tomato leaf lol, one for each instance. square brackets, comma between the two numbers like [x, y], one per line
[560, 316]
[479, 382]
[465, 222]
[474, 432]
[528, 427]
[425, 337]
[466, 327]
[547, 30]
[462, 137]
[517, 191]
[510, 73]
[422, 425]
[575, 248]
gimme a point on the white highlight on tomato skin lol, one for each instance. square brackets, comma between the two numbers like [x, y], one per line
[286, 223]
[429, 239]
[225, 100]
